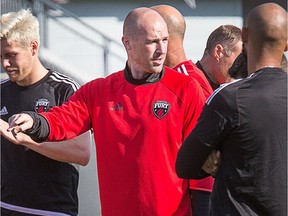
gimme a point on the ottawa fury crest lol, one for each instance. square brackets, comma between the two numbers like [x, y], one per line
[41, 105]
[160, 109]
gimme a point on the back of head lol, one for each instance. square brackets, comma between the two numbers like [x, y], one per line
[176, 28]
[267, 28]
[174, 20]
[226, 35]
[21, 27]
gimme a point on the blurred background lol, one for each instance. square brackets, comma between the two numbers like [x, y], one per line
[82, 38]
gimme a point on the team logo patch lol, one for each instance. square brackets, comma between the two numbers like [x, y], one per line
[160, 109]
[41, 105]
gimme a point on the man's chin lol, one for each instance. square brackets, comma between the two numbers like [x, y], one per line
[158, 68]
[13, 78]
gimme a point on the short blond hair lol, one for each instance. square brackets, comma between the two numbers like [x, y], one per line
[20, 27]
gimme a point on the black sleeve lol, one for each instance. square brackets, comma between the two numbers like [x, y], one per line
[40, 129]
[205, 137]
[191, 157]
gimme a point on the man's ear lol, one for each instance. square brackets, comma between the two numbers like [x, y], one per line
[218, 51]
[34, 47]
[126, 42]
[244, 34]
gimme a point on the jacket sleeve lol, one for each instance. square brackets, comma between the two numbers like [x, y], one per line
[72, 118]
[40, 129]
[205, 137]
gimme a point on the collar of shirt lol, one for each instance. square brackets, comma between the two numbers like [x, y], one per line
[151, 78]
[212, 84]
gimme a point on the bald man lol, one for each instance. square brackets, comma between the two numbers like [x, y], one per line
[200, 190]
[248, 124]
[140, 117]
[176, 57]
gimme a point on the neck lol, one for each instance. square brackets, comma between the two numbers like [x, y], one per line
[175, 55]
[257, 65]
[205, 63]
[257, 59]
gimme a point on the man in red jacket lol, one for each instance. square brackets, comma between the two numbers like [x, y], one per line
[140, 117]
[200, 190]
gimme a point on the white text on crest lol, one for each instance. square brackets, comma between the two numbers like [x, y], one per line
[42, 103]
[161, 105]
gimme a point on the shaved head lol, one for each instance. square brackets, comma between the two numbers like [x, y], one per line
[174, 20]
[267, 25]
[265, 33]
[176, 29]
[137, 20]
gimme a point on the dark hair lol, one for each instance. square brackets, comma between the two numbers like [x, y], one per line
[226, 35]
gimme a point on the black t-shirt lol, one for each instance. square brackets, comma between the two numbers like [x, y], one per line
[28, 179]
[247, 121]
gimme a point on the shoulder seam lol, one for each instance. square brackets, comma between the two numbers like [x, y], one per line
[218, 90]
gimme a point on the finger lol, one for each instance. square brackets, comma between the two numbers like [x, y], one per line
[12, 123]
[208, 165]
[12, 119]
[15, 132]
[18, 128]
[211, 160]
[214, 168]
[206, 169]
[215, 157]
[218, 154]
[13, 128]
[17, 123]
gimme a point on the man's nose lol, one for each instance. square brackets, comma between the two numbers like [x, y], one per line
[5, 62]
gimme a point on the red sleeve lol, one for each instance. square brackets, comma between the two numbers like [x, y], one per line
[194, 107]
[71, 118]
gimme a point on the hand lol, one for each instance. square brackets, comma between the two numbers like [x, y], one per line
[19, 123]
[212, 163]
[19, 139]
[3, 127]
[77, 150]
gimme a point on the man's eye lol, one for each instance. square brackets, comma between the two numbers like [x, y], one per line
[11, 55]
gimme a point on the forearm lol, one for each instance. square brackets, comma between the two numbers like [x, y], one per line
[77, 150]
[191, 158]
